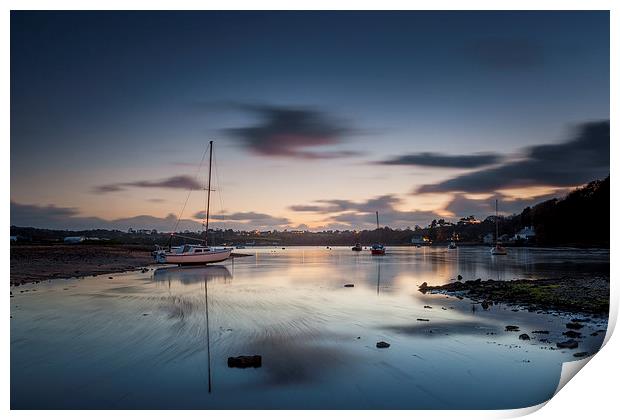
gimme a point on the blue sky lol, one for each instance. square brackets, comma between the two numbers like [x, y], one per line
[305, 107]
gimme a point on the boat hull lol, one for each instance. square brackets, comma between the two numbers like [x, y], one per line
[377, 251]
[197, 259]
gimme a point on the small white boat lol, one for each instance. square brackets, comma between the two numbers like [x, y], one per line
[192, 255]
[498, 249]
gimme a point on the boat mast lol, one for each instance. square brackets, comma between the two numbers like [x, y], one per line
[208, 194]
[496, 223]
[377, 213]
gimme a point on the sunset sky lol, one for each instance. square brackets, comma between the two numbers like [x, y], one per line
[318, 118]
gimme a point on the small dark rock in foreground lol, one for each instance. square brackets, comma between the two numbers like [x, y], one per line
[245, 361]
[572, 334]
[512, 328]
[524, 337]
[569, 344]
[383, 345]
[581, 354]
[574, 326]
[349, 285]
[423, 319]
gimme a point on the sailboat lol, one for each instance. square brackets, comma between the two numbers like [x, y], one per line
[452, 244]
[191, 254]
[498, 249]
[377, 249]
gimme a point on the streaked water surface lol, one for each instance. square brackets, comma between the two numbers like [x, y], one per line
[139, 340]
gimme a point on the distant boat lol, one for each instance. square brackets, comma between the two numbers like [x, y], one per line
[357, 247]
[452, 244]
[377, 249]
[195, 254]
[498, 249]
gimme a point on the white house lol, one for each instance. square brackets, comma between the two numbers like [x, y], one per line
[525, 234]
[74, 239]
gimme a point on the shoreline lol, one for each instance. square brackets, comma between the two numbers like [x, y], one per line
[588, 296]
[37, 263]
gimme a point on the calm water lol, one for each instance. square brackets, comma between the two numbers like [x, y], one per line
[139, 340]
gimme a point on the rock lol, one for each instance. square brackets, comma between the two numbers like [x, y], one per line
[359, 338]
[580, 320]
[144, 270]
[349, 285]
[512, 328]
[245, 361]
[383, 345]
[540, 332]
[574, 325]
[524, 337]
[423, 319]
[428, 307]
[423, 287]
[110, 278]
[581, 354]
[459, 277]
[485, 305]
[594, 334]
[569, 344]
[572, 334]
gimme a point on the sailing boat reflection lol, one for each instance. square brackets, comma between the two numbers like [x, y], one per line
[378, 276]
[192, 275]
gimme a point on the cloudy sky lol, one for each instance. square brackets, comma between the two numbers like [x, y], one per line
[319, 119]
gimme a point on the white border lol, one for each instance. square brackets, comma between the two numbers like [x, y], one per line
[592, 395]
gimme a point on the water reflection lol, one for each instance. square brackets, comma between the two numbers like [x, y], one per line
[157, 339]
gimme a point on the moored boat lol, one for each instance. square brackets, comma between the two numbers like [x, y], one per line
[377, 249]
[192, 254]
[357, 247]
[498, 249]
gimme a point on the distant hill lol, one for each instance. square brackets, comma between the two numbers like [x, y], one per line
[580, 218]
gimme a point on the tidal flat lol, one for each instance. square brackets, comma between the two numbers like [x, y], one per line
[139, 339]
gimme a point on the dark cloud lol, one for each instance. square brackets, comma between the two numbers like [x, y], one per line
[182, 182]
[380, 203]
[249, 217]
[443, 161]
[347, 214]
[583, 158]
[52, 217]
[462, 206]
[291, 132]
[507, 54]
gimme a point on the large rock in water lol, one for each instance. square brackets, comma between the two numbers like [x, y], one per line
[569, 344]
[245, 361]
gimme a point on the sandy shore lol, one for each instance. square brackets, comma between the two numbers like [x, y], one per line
[30, 263]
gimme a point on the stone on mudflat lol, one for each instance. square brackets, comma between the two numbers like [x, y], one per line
[524, 337]
[512, 328]
[383, 345]
[245, 361]
[569, 344]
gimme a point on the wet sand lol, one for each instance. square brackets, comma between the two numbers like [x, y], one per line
[32, 263]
